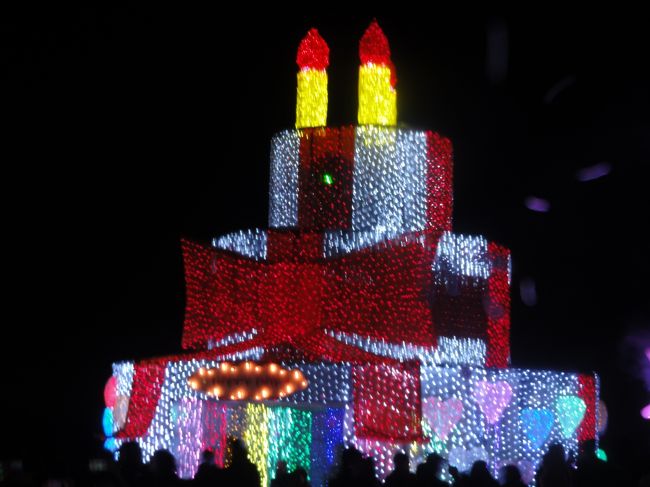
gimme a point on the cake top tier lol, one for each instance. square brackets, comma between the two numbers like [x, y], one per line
[373, 177]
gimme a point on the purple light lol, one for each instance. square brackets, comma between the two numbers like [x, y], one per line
[528, 291]
[647, 353]
[534, 203]
[558, 87]
[492, 398]
[645, 412]
[594, 172]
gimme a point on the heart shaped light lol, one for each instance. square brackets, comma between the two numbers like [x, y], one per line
[570, 411]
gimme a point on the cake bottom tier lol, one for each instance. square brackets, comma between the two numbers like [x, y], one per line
[503, 416]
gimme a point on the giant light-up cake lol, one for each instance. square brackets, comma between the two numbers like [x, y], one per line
[357, 318]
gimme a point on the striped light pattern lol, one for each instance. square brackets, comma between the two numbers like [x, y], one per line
[465, 417]
[249, 243]
[395, 173]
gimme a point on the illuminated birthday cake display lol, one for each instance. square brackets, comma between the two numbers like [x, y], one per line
[358, 318]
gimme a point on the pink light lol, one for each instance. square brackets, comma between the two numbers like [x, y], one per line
[539, 205]
[645, 412]
[492, 398]
[647, 353]
[442, 415]
[110, 392]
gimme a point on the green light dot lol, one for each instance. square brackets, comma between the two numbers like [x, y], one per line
[328, 179]
[600, 453]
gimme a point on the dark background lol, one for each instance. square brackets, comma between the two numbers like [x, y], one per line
[126, 129]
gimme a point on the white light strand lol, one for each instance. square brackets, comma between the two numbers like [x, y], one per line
[340, 242]
[285, 162]
[389, 185]
[250, 243]
[450, 350]
[462, 255]
[232, 339]
[123, 372]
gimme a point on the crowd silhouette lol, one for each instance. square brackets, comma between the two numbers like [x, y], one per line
[557, 469]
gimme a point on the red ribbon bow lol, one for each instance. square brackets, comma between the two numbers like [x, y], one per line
[294, 296]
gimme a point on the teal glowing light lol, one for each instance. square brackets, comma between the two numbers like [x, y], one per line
[110, 444]
[107, 422]
[328, 179]
[600, 453]
[570, 411]
[291, 432]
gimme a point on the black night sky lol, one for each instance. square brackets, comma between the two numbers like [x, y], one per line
[128, 129]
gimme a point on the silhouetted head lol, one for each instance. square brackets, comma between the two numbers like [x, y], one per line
[130, 454]
[163, 464]
[207, 456]
[281, 467]
[434, 461]
[351, 459]
[588, 448]
[369, 466]
[238, 450]
[555, 454]
[401, 461]
[301, 474]
[480, 471]
[511, 474]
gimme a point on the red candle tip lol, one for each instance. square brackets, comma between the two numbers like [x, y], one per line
[373, 47]
[313, 52]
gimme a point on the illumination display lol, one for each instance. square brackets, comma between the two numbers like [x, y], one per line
[357, 318]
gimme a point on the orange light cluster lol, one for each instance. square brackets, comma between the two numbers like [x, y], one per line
[248, 381]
